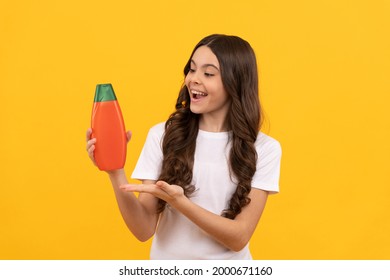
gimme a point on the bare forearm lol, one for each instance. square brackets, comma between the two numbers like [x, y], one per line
[137, 218]
[233, 234]
[230, 233]
[139, 214]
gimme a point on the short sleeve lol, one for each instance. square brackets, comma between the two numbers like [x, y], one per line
[149, 162]
[268, 164]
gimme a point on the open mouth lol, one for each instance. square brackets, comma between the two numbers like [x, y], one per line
[198, 94]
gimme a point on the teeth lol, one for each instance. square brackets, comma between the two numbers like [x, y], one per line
[198, 93]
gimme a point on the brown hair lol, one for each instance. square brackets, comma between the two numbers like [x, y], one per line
[240, 79]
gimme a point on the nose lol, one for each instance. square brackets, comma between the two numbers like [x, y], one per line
[194, 78]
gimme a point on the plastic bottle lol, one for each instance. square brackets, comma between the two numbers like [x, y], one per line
[108, 128]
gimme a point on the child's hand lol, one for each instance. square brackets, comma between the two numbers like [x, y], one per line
[169, 193]
[91, 145]
[92, 141]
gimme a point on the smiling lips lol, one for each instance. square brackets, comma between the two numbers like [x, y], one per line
[196, 95]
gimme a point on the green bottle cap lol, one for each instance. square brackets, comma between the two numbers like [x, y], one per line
[104, 92]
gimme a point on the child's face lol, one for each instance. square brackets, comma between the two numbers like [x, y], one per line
[204, 83]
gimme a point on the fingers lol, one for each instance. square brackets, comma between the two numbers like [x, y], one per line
[89, 132]
[169, 193]
[92, 141]
[90, 150]
[147, 188]
[161, 190]
[90, 145]
[171, 190]
[163, 185]
[129, 134]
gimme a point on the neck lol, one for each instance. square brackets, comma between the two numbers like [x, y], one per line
[210, 124]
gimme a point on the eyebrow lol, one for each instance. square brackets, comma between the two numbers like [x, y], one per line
[206, 65]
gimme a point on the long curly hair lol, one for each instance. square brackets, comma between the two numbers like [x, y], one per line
[239, 74]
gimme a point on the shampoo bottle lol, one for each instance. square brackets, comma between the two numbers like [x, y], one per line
[108, 128]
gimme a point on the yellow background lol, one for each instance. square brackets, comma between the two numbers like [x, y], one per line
[324, 69]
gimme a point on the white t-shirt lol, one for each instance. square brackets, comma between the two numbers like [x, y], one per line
[176, 236]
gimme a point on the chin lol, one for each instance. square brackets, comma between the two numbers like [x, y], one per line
[195, 110]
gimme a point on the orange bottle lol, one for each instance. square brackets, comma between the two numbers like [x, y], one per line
[108, 128]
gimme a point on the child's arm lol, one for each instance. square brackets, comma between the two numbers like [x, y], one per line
[233, 234]
[139, 214]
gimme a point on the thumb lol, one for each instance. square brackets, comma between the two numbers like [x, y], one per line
[162, 185]
[173, 191]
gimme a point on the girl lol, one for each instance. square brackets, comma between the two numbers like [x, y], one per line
[207, 171]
